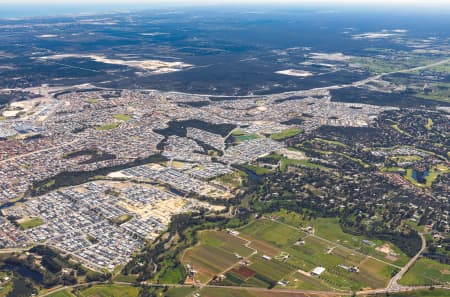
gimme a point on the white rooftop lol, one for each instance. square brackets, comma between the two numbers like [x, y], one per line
[318, 271]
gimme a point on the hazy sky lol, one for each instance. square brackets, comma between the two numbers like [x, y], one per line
[16, 8]
[359, 2]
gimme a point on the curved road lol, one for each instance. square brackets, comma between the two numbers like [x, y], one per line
[393, 283]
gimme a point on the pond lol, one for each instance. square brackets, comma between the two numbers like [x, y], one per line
[420, 176]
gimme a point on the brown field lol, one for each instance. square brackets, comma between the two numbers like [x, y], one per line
[264, 248]
[244, 272]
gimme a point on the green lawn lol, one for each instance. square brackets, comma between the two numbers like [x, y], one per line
[121, 219]
[395, 126]
[237, 132]
[232, 179]
[110, 291]
[173, 276]
[427, 272]
[7, 287]
[63, 293]
[286, 134]
[92, 101]
[245, 137]
[359, 161]
[356, 160]
[401, 158]
[334, 142]
[257, 170]
[130, 278]
[393, 169]
[31, 223]
[122, 117]
[109, 126]
[429, 124]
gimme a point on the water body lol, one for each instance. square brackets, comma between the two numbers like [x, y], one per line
[252, 176]
[420, 176]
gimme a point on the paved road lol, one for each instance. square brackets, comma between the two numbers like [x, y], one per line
[14, 250]
[39, 151]
[393, 283]
[253, 289]
[400, 290]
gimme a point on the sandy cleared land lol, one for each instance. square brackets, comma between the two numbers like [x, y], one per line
[295, 72]
[381, 34]
[296, 155]
[308, 63]
[28, 108]
[155, 66]
[117, 174]
[340, 57]
[47, 36]
[385, 248]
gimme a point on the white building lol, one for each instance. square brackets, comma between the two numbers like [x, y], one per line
[317, 271]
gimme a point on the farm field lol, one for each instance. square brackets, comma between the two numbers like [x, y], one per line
[424, 293]
[330, 229]
[233, 292]
[285, 258]
[216, 252]
[426, 272]
[179, 292]
[305, 252]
